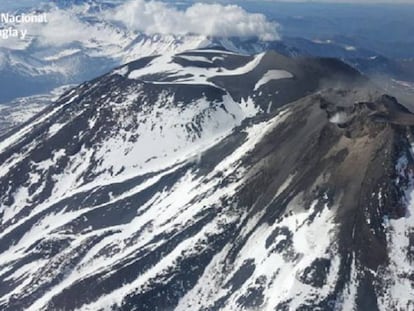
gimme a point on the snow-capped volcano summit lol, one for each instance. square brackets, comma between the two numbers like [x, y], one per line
[210, 180]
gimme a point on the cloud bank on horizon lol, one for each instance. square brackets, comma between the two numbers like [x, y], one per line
[153, 17]
[149, 17]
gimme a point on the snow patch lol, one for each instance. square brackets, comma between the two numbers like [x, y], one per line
[272, 75]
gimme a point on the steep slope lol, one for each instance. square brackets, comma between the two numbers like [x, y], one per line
[173, 183]
[22, 109]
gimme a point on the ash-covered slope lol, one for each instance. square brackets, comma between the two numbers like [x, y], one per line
[210, 181]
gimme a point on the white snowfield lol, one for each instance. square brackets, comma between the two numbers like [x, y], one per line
[272, 75]
[193, 58]
[401, 288]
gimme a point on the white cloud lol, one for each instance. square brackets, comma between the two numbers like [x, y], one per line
[203, 19]
[62, 27]
[66, 26]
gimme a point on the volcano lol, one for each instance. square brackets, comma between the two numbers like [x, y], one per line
[210, 180]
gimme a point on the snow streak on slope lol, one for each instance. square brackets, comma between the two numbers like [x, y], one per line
[400, 238]
[274, 274]
[272, 75]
